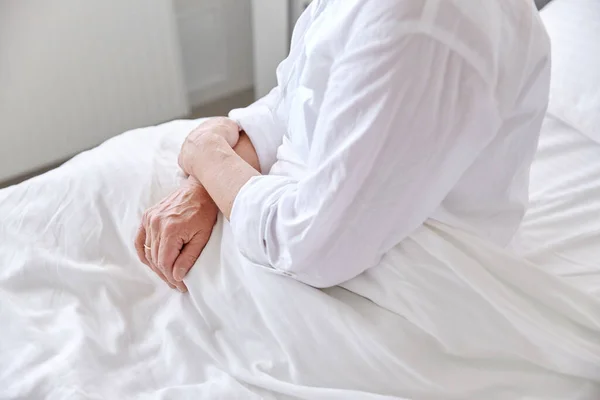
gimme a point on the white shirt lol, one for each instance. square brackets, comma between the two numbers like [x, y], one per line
[388, 113]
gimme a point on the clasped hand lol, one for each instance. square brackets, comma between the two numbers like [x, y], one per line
[173, 233]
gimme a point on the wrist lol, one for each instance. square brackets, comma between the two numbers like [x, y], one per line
[227, 128]
[210, 147]
[192, 183]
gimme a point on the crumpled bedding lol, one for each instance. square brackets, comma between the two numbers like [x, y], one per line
[444, 316]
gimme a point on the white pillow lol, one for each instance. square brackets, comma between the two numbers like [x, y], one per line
[574, 29]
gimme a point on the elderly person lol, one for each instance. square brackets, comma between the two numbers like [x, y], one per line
[387, 113]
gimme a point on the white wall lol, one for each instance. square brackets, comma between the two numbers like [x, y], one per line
[73, 73]
[273, 23]
[271, 41]
[216, 42]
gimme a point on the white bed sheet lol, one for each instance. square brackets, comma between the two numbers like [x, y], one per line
[561, 230]
[445, 316]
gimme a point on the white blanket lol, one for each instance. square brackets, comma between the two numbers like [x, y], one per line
[445, 315]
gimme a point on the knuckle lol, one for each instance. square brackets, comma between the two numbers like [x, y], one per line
[191, 259]
[203, 237]
[155, 221]
[139, 238]
[169, 227]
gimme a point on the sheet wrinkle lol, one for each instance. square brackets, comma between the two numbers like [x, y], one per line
[444, 316]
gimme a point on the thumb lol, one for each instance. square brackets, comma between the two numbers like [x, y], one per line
[188, 256]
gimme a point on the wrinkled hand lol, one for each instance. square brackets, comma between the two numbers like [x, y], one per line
[174, 232]
[220, 126]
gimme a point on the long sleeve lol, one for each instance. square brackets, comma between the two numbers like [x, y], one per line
[260, 122]
[403, 117]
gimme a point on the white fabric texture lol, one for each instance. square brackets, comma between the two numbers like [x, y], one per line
[574, 28]
[560, 231]
[387, 114]
[445, 316]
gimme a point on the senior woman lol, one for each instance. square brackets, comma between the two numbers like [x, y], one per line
[387, 113]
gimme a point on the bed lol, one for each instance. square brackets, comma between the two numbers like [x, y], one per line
[449, 316]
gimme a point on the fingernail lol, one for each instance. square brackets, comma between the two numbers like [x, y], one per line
[179, 274]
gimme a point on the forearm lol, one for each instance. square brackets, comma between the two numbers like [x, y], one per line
[223, 171]
[246, 151]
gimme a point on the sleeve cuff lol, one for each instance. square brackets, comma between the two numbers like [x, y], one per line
[258, 123]
[251, 216]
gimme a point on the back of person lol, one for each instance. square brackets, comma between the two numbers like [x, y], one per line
[506, 38]
[388, 113]
[502, 41]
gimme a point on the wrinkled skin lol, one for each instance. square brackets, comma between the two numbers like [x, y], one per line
[223, 127]
[174, 232]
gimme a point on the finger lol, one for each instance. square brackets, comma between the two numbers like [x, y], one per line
[147, 248]
[155, 240]
[140, 239]
[154, 249]
[148, 252]
[162, 276]
[188, 256]
[170, 247]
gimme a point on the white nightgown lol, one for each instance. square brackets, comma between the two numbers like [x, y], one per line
[389, 113]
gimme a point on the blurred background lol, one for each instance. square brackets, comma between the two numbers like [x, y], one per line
[74, 73]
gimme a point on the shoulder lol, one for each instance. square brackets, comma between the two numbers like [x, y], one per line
[451, 22]
[394, 23]
[377, 15]
[477, 31]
